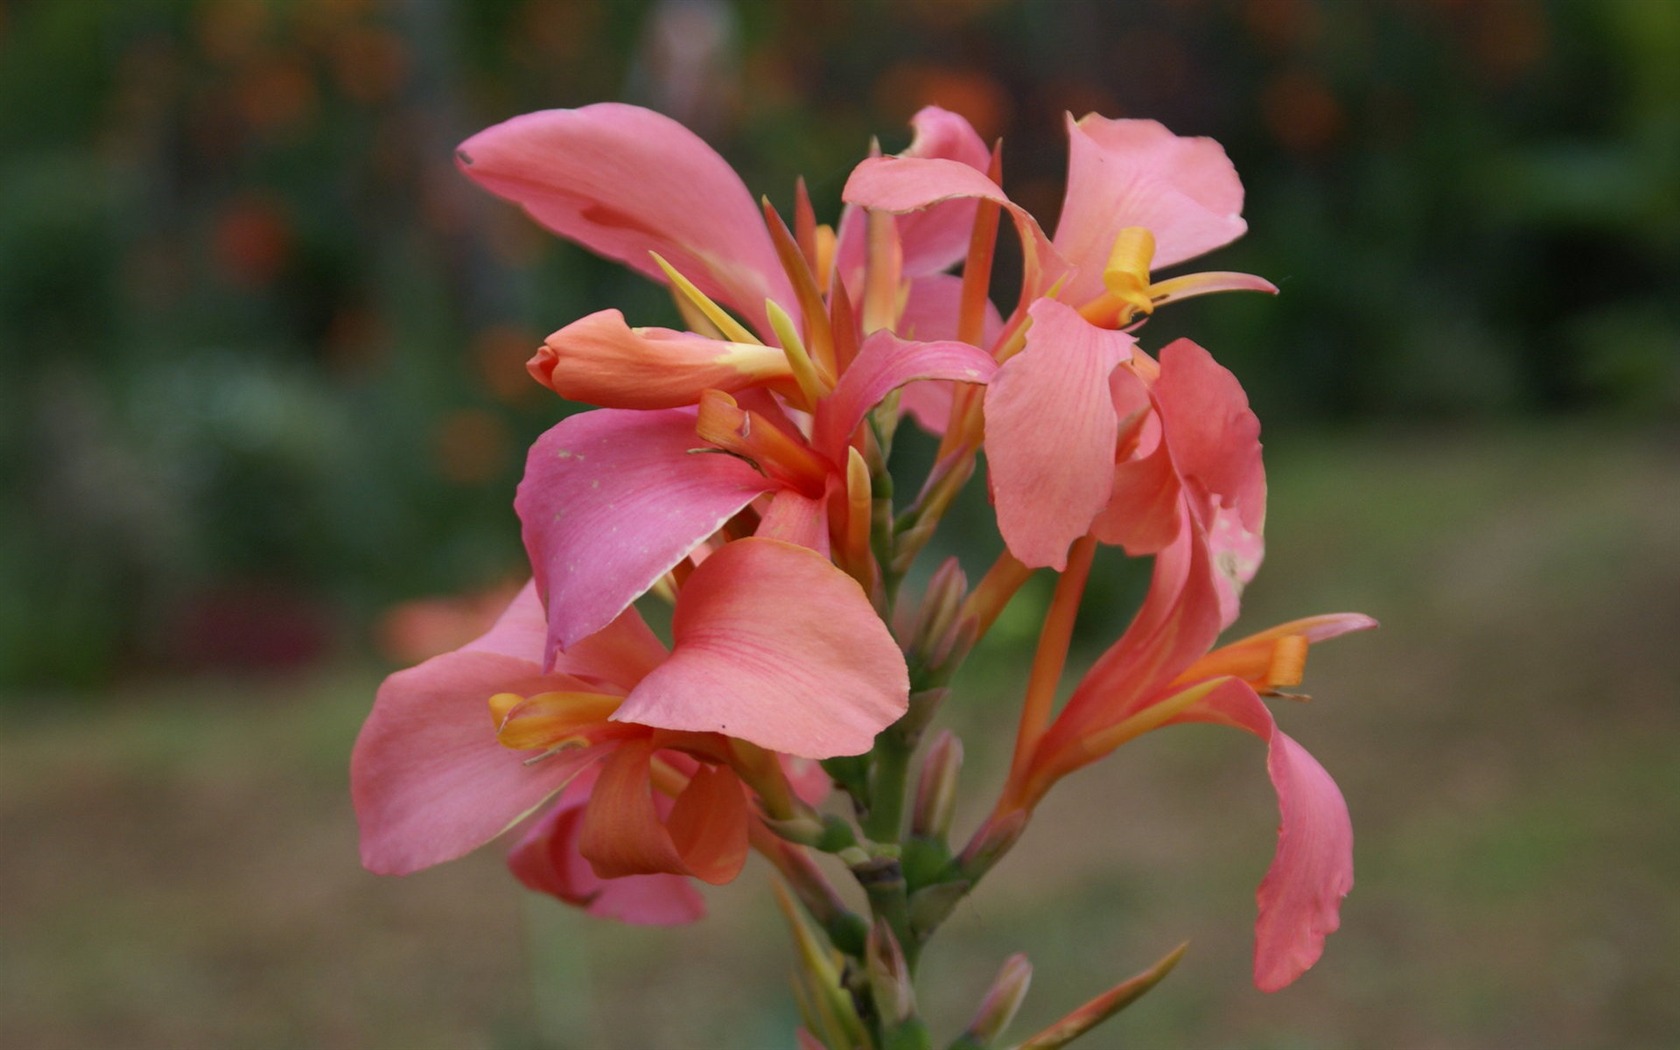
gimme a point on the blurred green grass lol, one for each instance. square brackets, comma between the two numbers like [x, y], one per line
[180, 862]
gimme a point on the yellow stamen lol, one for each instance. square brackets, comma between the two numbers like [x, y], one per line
[804, 370]
[730, 328]
[547, 720]
[1127, 274]
[825, 254]
[1289, 661]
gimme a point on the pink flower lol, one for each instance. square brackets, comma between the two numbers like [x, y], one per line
[1162, 673]
[771, 646]
[1137, 197]
[636, 186]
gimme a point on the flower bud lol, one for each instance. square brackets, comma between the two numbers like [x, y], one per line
[936, 790]
[889, 975]
[1002, 999]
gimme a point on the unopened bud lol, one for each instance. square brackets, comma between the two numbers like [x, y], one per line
[1002, 1000]
[936, 790]
[889, 975]
[935, 634]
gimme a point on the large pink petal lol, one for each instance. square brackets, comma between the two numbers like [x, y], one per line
[884, 364]
[1051, 431]
[1137, 173]
[907, 184]
[1145, 510]
[547, 860]
[1300, 897]
[625, 181]
[774, 645]
[612, 500]
[428, 778]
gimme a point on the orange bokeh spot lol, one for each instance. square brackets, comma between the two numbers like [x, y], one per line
[252, 241]
[471, 446]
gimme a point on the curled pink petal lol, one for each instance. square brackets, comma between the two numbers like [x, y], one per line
[793, 517]
[611, 501]
[907, 184]
[884, 364]
[625, 181]
[774, 645]
[1050, 433]
[1300, 897]
[1122, 173]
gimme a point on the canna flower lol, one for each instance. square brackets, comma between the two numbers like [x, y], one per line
[638, 187]
[1162, 672]
[1138, 198]
[772, 650]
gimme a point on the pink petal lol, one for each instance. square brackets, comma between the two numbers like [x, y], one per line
[600, 360]
[1051, 431]
[907, 184]
[884, 364]
[708, 824]
[930, 314]
[611, 501]
[625, 181]
[428, 778]
[1137, 173]
[547, 860]
[776, 646]
[622, 833]
[1300, 897]
[1215, 444]
[934, 239]
[1145, 510]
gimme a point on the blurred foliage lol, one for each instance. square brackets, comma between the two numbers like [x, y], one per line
[261, 348]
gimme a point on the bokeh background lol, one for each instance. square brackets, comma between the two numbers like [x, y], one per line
[262, 388]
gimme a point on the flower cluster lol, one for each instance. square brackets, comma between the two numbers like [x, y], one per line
[740, 470]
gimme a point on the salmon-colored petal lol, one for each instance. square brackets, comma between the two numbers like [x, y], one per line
[796, 518]
[600, 360]
[547, 860]
[1300, 897]
[1122, 173]
[611, 501]
[774, 645]
[708, 824]
[1050, 433]
[884, 364]
[428, 778]
[622, 833]
[625, 181]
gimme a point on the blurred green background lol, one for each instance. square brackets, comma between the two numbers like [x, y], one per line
[261, 382]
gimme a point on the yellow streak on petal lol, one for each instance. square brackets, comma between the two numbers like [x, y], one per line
[812, 386]
[731, 329]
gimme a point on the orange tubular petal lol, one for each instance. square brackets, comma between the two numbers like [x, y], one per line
[622, 834]
[600, 360]
[708, 825]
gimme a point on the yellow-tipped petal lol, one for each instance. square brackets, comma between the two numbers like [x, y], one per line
[811, 384]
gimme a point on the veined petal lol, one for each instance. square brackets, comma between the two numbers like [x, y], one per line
[428, 778]
[547, 860]
[1122, 173]
[625, 181]
[884, 364]
[1051, 431]
[611, 501]
[600, 360]
[774, 645]
[1300, 897]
